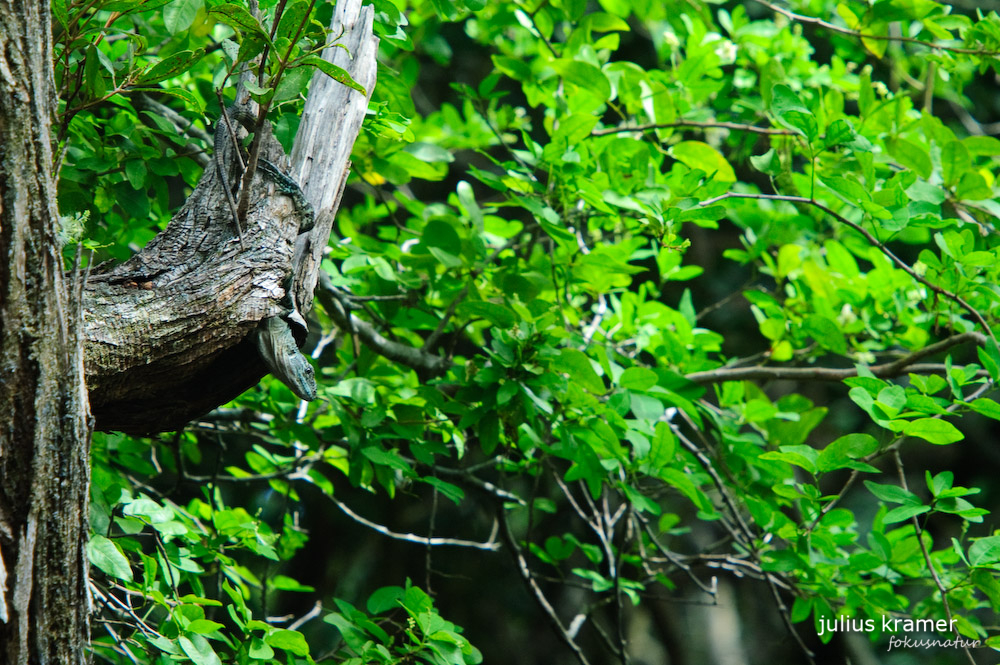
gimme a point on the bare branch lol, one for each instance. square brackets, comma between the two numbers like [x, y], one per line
[875, 242]
[715, 124]
[433, 338]
[308, 616]
[409, 356]
[490, 545]
[675, 560]
[744, 535]
[543, 602]
[885, 38]
[886, 370]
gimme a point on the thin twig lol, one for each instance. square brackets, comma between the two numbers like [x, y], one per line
[308, 616]
[884, 38]
[223, 169]
[875, 242]
[744, 534]
[543, 602]
[715, 124]
[927, 557]
[675, 560]
[886, 370]
[335, 305]
[490, 545]
[433, 338]
[467, 475]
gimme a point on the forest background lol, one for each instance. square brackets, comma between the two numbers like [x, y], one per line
[674, 336]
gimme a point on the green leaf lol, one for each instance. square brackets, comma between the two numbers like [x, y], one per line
[453, 493]
[699, 155]
[955, 160]
[769, 163]
[638, 378]
[892, 493]
[126, 6]
[580, 369]
[663, 446]
[179, 14]
[285, 583]
[497, 314]
[840, 453]
[892, 399]
[826, 333]
[259, 649]
[839, 131]
[198, 650]
[986, 407]
[934, 430]
[289, 640]
[190, 101]
[338, 74]
[990, 357]
[911, 155]
[985, 551]
[238, 17]
[106, 556]
[385, 599]
[904, 513]
[985, 581]
[292, 84]
[135, 171]
[784, 100]
[641, 502]
[972, 187]
[291, 20]
[792, 113]
[879, 29]
[203, 626]
[585, 76]
[982, 146]
[170, 67]
[59, 11]
[799, 455]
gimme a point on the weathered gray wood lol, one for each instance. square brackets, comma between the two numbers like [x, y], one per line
[168, 333]
[320, 165]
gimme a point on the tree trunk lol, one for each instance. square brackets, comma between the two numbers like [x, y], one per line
[44, 434]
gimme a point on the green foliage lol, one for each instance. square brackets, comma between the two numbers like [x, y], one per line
[697, 270]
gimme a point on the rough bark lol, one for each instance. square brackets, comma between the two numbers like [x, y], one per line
[168, 333]
[44, 434]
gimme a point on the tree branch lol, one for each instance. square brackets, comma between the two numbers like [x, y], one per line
[543, 602]
[884, 38]
[927, 556]
[339, 311]
[743, 534]
[490, 544]
[875, 242]
[718, 124]
[886, 370]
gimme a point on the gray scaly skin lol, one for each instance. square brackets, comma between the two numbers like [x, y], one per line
[275, 341]
[277, 347]
[280, 353]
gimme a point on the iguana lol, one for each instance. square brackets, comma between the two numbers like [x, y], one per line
[274, 338]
